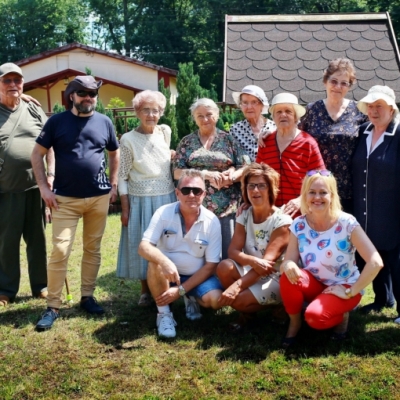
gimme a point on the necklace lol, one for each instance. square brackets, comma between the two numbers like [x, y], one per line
[326, 225]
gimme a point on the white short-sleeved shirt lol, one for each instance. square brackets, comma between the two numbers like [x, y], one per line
[258, 235]
[191, 251]
[329, 255]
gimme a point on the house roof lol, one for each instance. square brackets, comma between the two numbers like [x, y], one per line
[289, 53]
[73, 46]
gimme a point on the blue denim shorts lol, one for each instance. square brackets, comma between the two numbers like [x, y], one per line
[212, 283]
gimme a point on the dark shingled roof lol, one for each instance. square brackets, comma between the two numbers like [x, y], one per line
[289, 53]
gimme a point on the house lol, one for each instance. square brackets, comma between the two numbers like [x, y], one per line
[289, 53]
[47, 74]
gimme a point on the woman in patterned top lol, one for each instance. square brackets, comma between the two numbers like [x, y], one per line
[320, 266]
[250, 275]
[333, 122]
[221, 159]
[253, 103]
[144, 184]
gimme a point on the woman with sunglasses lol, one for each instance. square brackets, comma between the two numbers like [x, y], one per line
[334, 122]
[144, 184]
[221, 159]
[250, 275]
[290, 151]
[320, 266]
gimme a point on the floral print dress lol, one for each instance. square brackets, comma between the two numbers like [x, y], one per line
[224, 153]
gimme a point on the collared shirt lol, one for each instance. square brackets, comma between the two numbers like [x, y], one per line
[188, 251]
[376, 186]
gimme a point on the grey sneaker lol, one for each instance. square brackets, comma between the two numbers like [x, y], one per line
[166, 325]
[192, 308]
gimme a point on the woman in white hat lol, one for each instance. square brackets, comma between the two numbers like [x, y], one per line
[376, 190]
[253, 103]
[289, 151]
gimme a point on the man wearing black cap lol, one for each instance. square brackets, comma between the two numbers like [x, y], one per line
[22, 209]
[81, 188]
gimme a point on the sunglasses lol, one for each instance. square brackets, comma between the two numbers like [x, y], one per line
[8, 81]
[322, 172]
[84, 93]
[195, 190]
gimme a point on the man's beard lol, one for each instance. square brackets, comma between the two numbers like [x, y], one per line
[85, 108]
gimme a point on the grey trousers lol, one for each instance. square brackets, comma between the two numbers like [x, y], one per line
[22, 215]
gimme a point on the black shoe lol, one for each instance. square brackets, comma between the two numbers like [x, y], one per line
[373, 307]
[47, 320]
[89, 304]
[288, 342]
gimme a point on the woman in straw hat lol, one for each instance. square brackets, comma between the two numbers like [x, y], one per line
[290, 151]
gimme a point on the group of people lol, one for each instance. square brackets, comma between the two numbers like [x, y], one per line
[258, 216]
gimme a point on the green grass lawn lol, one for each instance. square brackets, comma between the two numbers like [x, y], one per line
[119, 356]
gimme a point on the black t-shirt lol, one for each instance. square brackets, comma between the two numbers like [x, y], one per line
[79, 144]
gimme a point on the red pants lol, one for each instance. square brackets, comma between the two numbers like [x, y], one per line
[324, 310]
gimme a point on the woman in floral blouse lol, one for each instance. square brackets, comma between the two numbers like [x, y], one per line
[220, 157]
[334, 122]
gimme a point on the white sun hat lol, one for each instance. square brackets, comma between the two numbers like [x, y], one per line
[288, 98]
[378, 92]
[255, 91]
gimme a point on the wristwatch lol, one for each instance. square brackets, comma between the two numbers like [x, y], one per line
[182, 290]
[348, 293]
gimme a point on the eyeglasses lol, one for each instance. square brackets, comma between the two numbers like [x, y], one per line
[149, 111]
[203, 117]
[322, 172]
[245, 104]
[343, 84]
[8, 81]
[195, 190]
[84, 93]
[259, 186]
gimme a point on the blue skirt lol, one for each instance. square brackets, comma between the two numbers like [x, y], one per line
[130, 265]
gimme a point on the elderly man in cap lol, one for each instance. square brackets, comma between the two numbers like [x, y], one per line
[79, 137]
[22, 209]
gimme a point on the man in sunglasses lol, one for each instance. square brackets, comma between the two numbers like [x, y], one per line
[183, 247]
[81, 189]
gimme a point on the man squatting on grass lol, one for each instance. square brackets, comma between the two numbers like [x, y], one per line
[81, 189]
[183, 246]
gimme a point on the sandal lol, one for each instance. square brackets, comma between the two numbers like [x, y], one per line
[243, 320]
[4, 300]
[340, 331]
[337, 337]
[145, 300]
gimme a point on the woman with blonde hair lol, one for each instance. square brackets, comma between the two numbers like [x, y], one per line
[319, 266]
[144, 184]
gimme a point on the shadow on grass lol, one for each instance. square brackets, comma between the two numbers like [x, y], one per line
[368, 335]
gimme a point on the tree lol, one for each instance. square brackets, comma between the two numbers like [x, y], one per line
[29, 27]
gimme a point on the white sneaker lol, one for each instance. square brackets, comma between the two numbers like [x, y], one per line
[166, 325]
[397, 320]
[192, 308]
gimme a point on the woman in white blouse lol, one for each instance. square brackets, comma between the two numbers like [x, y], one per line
[144, 184]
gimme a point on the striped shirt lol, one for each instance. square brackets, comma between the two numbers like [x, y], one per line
[300, 156]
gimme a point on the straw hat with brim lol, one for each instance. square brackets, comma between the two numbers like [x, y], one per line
[255, 91]
[9, 68]
[288, 98]
[378, 92]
